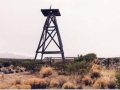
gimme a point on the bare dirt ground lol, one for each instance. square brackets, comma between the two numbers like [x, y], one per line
[7, 79]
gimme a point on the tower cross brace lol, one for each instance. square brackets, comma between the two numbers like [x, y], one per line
[49, 31]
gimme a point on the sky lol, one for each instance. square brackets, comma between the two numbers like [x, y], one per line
[86, 26]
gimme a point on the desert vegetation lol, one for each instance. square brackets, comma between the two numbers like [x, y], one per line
[85, 72]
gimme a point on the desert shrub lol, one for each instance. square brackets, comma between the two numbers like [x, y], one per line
[6, 64]
[1, 65]
[31, 66]
[54, 83]
[79, 59]
[16, 63]
[87, 80]
[2, 86]
[62, 80]
[68, 85]
[112, 85]
[46, 71]
[95, 74]
[37, 83]
[76, 66]
[13, 87]
[79, 87]
[95, 66]
[118, 79]
[17, 86]
[16, 81]
[25, 87]
[88, 57]
[101, 84]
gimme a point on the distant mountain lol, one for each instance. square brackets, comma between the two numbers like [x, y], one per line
[11, 55]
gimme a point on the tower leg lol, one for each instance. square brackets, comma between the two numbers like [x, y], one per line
[35, 57]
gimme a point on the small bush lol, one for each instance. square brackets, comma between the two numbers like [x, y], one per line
[68, 85]
[95, 74]
[54, 83]
[79, 87]
[46, 71]
[1, 65]
[15, 63]
[2, 86]
[17, 86]
[96, 67]
[101, 84]
[14, 82]
[112, 85]
[118, 80]
[25, 87]
[6, 64]
[62, 80]
[31, 66]
[37, 83]
[87, 80]
[13, 87]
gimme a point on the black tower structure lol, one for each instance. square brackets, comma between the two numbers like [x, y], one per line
[49, 31]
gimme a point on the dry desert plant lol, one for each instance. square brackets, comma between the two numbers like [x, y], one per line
[16, 81]
[101, 84]
[68, 85]
[11, 66]
[13, 87]
[96, 66]
[25, 87]
[75, 78]
[37, 83]
[46, 71]
[87, 80]
[112, 84]
[62, 79]
[54, 83]
[110, 74]
[95, 74]
[2, 86]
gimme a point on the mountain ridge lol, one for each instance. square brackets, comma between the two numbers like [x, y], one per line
[14, 56]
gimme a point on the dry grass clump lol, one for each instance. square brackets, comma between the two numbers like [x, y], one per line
[79, 87]
[87, 80]
[58, 81]
[96, 67]
[54, 83]
[11, 66]
[101, 84]
[95, 74]
[75, 78]
[37, 83]
[68, 85]
[17, 86]
[46, 71]
[112, 84]
[110, 74]
[62, 79]
[25, 87]
[16, 81]
[13, 87]
[2, 86]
